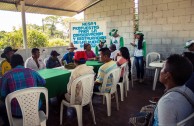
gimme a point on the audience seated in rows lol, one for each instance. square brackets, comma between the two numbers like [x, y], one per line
[53, 61]
[5, 64]
[174, 106]
[108, 65]
[35, 62]
[68, 57]
[81, 69]
[16, 79]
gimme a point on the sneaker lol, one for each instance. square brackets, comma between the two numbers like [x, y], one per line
[141, 81]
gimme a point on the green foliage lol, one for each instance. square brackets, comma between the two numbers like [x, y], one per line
[36, 38]
[13, 39]
[57, 42]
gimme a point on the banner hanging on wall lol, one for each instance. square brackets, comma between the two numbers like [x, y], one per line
[87, 32]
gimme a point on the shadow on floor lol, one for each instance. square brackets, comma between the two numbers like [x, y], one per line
[137, 97]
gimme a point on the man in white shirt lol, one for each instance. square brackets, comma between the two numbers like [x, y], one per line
[35, 62]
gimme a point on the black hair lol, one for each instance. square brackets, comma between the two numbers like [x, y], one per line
[34, 50]
[105, 51]
[190, 56]
[180, 68]
[113, 47]
[125, 54]
[140, 42]
[86, 45]
[16, 60]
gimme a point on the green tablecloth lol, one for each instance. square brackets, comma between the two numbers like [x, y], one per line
[95, 64]
[56, 81]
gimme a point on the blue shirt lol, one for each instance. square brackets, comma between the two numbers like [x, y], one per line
[52, 63]
[68, 57]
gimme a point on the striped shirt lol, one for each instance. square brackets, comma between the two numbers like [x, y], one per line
[104, 69]
[16, 79]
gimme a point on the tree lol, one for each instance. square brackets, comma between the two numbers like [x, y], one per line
[36, 39]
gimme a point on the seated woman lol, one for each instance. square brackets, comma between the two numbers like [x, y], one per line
[89, 53]
[81, 69]
[53, 61]
[125, 57]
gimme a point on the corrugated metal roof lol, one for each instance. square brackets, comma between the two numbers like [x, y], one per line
[51, 7]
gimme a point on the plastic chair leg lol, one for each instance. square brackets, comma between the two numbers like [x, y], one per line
[92, 111]
[117, 101]
[108, 102]
[121, 91]
[79, 114]
[61, 114]
[103, 99]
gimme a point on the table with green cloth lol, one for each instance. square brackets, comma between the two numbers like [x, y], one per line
[95, 64]
[56, 81]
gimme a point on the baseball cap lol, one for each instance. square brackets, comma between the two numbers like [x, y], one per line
[188, 43]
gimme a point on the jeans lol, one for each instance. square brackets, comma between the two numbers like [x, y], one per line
[139, 63]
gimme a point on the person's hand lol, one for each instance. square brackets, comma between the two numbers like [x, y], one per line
[132, 43]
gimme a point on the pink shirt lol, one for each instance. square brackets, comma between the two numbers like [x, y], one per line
[90, 54]
[120, 62]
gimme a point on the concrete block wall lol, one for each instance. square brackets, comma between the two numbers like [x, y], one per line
[117, 14]
[167, 24]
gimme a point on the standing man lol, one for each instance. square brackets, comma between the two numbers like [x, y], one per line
[16, 79]
[190, 45]
[7, 54]
[35, 62]
[116, 39]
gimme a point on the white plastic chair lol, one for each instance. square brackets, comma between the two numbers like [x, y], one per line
[124, 85]
[45, 60]
[150, 57]
[189, 121]
[28, 100]
[116, 76]
[87, 84]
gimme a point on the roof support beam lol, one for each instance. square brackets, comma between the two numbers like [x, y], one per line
[23, 24]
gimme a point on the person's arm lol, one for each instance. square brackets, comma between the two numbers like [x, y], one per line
[96, 50]
[4, 89]
[40, 81]
[2, 68]
[64, 59]
[144, 49]
[121, 42]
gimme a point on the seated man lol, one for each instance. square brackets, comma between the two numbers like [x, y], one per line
[173, 106]
[68, 57]
[108, 65]
[16, 79]
[81, 69]
[53, 61]
[7, 54]
[35, 62]
[99, 46]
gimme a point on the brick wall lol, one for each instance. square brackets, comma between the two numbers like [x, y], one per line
[118, 14]
[167, 24]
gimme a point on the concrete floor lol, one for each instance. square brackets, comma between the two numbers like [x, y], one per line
[137, 97]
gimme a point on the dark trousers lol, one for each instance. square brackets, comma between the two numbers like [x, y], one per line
[139, 63]
[3, 114]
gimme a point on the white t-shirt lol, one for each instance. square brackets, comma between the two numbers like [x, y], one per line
[138, 52]
[116, 41]
[114, 54]
[173, 107]
[30, 63]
